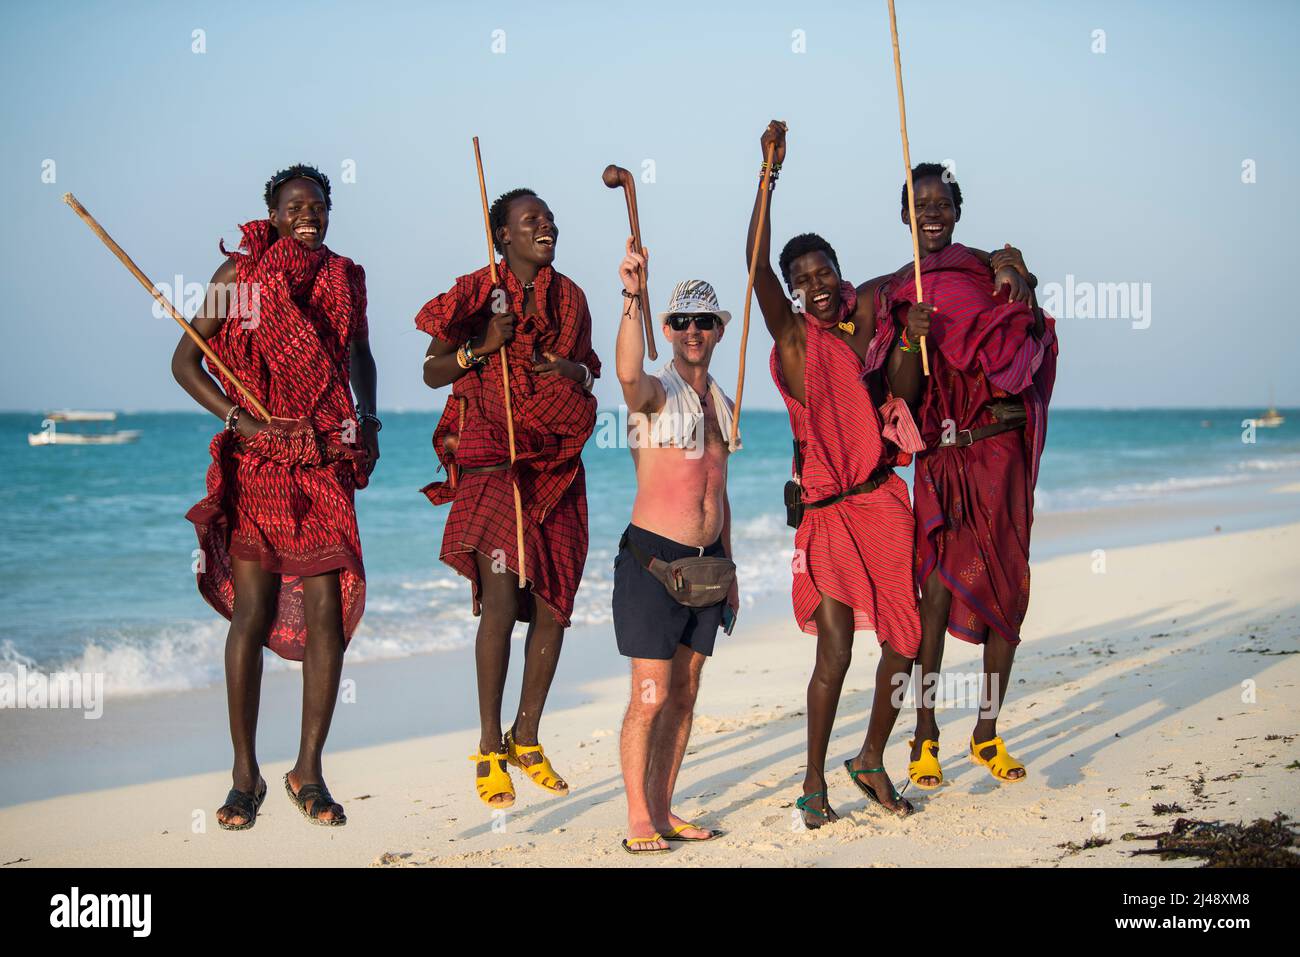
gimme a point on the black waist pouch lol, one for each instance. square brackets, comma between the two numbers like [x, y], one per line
[793, 503]
[794, 492]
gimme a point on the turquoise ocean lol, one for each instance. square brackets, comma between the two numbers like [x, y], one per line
[95, 551]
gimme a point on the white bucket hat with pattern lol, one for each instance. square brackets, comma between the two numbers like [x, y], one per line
[694, 297]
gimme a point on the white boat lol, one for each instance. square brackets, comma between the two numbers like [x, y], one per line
[80, 415]
[50, 435]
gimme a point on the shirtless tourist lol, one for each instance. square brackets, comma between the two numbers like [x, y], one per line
[679, 420]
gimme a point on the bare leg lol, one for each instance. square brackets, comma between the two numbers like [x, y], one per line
[541, 657]
[669, 735]
[936, 600]
[892, 674]
[322, 665]
[651, 681]
[834, 653]
[492, 654]
[998, 657]
[256, 592]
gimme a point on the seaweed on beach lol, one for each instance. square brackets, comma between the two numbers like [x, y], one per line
[1161, 809]
[1071, 847]
[1262, 843]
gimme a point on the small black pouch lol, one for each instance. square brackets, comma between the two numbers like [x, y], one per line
[793, 503]
[794, 492]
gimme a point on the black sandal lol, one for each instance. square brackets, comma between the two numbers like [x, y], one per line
[318, 796]
[244, 804]
[904, 808]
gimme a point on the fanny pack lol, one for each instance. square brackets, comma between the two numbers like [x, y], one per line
[695, 581]
[795, 505]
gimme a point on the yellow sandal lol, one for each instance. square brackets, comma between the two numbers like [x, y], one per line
[496, 782]
[1001, 764]
[926, 766]
[541, 772]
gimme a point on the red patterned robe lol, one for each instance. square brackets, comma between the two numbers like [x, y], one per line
[975, 505]
[859, 550]
[553, 417]
[285, 498]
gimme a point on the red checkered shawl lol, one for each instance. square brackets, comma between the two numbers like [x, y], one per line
[553, 415]
[285, 498]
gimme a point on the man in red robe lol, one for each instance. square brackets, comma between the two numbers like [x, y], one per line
[983, 417]
[280, 555]
[851, 426]
[540, 320]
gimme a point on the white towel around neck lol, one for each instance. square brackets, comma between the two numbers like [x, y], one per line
[680, 420]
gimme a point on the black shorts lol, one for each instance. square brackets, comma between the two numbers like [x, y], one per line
[649, 622]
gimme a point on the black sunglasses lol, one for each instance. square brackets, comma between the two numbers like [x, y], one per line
[704, 323]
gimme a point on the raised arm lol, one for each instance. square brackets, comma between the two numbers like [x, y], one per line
[641, 392]
[772, 301]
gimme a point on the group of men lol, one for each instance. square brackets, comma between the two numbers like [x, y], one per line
[282, 559]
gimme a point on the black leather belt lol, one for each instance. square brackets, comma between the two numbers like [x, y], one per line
[1008, 414]
[970, 436]
[878, 478]
[486, 468]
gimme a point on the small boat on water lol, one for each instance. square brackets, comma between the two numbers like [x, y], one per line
[50, 434]
[80, 415]
[1270, 419]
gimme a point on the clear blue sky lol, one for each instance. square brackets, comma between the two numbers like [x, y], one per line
[1123, 166]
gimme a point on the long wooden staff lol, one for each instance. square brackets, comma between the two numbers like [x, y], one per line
[907, 164]
[120, 253]
[505, 371]
[749, 290]
[614, 177]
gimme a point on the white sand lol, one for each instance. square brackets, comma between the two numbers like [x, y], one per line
[1152, 682]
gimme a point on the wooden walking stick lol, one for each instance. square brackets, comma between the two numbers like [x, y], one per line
[749, 291]
[614, 177]
[505, 372]
[907, 165]
[120, 253]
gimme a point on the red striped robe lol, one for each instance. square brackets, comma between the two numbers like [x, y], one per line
[859, 550]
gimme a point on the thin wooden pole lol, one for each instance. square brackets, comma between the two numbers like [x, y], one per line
[907, 165]
[135, 270]
[749, 290]
[505, 371]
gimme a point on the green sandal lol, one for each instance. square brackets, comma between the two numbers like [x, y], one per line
[802, 805]
[905, 807]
